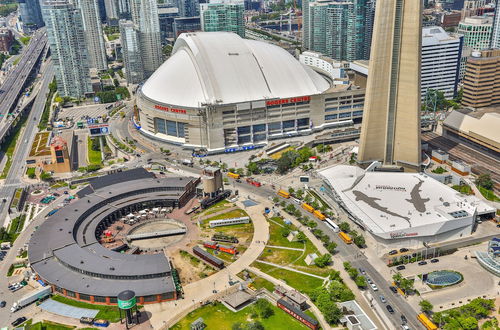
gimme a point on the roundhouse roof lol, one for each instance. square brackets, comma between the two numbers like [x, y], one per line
[221, 67]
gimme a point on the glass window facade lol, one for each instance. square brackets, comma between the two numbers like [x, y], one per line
[169, 127]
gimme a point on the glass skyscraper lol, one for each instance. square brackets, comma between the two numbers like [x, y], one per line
[223, 15]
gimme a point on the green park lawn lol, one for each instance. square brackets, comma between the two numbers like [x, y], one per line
[94, 156]
[219, 317]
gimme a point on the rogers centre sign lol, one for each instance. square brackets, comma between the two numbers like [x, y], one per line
[164, 108]
[290, 100]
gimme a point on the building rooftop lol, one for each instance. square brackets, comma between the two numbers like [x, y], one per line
[223, 68]
[433, 35]
[482, 125]
[352, 307]
[393, 204]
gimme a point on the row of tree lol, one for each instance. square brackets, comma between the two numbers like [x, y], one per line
[354, 274]
[357, 238]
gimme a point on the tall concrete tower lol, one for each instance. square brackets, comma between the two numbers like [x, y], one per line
[391, 120]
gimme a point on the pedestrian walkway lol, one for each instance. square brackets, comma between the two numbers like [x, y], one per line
[290, 269]
[58, 308]
[284, 248]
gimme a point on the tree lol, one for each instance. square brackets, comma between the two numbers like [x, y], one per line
[312, 224]
[353, 272]
[240, 171]
[285, 232]
[331, 247]
[301, 237]
[468, 323]
[263, 308]
[425, 306]
[46, 176]
[253, 168]
[323, 260]
[361, 281]
[276, 200]
[344, 226]
[307, 199]
[347, 265]
[359, 240]
[484, 180]
[299, 193]
[255, 326]
[397, 277]
[116, 82]
[291, 190]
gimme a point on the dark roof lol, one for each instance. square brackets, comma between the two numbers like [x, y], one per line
[120, 177]
[297, 311]
[208, 255]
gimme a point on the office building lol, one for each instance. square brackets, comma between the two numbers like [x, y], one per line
[341, 30]
[30, 14]
[93, 34]
[111, 7]
[66, 39]
[495, 33]
[188, 8]
[166, 16]
[391, 123]
[132, 59]
[6, 40]
[482, 79]
[476, 32]
[223, 15]
[206, 97]
[145, 16]
[441, 54]
[186, 24]
[124, 11]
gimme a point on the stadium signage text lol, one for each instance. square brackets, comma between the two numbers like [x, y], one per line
[385, 187]
[401, 235]
[290, 100]
[164, 108]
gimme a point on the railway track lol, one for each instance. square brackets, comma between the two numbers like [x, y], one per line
[480, 163]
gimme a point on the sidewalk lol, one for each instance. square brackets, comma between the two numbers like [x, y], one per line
[290, 269]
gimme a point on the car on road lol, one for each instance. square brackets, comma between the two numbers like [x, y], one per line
[374, 287]
[405, 327]
[362, 271]
[433, 261]
[393, 252]
[403, 319]
[18, 321]
[422, 263]
[66, 192]
[56, 194]
[393, 289]
[389, 309]
[382, 299]
[402, 250]
[3, 303]
[400, 267]
[498, 226]
[369, 280]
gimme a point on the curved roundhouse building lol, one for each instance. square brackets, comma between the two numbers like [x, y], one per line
[65, 252]
[222, 93]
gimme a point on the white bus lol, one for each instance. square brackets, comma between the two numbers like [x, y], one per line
[332, 225]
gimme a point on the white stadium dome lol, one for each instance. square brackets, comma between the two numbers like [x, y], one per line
[223, 68]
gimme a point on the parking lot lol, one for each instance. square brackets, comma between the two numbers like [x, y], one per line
[477, 282]
[78, 113]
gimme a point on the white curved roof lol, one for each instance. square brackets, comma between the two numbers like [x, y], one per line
[210, 67]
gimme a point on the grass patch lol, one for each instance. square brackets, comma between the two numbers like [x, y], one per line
[464, 189]
[93, 155]
[300, 282]
[25, 40]
[192, 259]
[44, 118]
[488, 194]
[112, 37]
[276, 237]
[47, 325]
[219, 206]
[260, 283]
[16, 61]
[217, 316]
[280, 256]
[110, 313]
[231, 214]
[30, 172]
[439, 170]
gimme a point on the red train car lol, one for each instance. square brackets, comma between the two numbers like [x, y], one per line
[228, 249]
[210, 245]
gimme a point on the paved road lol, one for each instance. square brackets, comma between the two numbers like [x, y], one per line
[13, 179]
[15, 81]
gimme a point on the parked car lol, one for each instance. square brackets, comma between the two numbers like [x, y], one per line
[422, 263]
[369, 280]
[2, 304]
[56, 194]
[400, 267]
[405, 327]
[382, 299]
[393, 252]
[389, 309]
[18, 321]
[433, 261]
[403, 319]
[393, 289]
[374, 287]
[403, 250]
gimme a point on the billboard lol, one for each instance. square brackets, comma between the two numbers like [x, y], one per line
[99, 129]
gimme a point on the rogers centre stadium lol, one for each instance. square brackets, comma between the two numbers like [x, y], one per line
[221, 93]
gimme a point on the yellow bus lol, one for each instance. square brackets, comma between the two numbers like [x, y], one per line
[283, 194]
[319, 215]
[233, 175]
[307, 207]
[426, 322]
[346, 238]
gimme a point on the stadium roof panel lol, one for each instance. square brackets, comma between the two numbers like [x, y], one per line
[221, 67]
